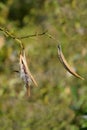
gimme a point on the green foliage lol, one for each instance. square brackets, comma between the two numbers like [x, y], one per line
[60, 101]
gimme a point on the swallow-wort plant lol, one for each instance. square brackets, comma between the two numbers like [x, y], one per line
[24, 71]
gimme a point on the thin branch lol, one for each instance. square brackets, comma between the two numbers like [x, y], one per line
[21, 37]
[50, 36]
[17, 38]
[7, 33]
[32, 35]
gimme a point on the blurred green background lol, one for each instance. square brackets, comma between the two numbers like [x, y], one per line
[60, 101]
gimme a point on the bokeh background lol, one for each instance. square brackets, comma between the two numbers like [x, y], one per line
[60, 101]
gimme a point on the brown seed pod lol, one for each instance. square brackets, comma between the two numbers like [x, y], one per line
[65, 64]
[25, 72]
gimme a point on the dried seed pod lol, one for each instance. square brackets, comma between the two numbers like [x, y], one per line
[65, 64]
[25, 72]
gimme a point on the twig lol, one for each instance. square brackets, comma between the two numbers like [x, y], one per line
[32, 35]
[50, 36]
[21, 37]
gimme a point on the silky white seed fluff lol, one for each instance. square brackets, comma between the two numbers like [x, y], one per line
[26, 78]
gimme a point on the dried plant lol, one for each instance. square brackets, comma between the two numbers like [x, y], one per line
[25, 73]
[63, 60]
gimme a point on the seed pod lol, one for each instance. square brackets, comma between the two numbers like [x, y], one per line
[25, 73]
[65, 64]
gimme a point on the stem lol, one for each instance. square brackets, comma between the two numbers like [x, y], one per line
[21, 37]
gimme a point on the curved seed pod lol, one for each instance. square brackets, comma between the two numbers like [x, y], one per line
[65, 64]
